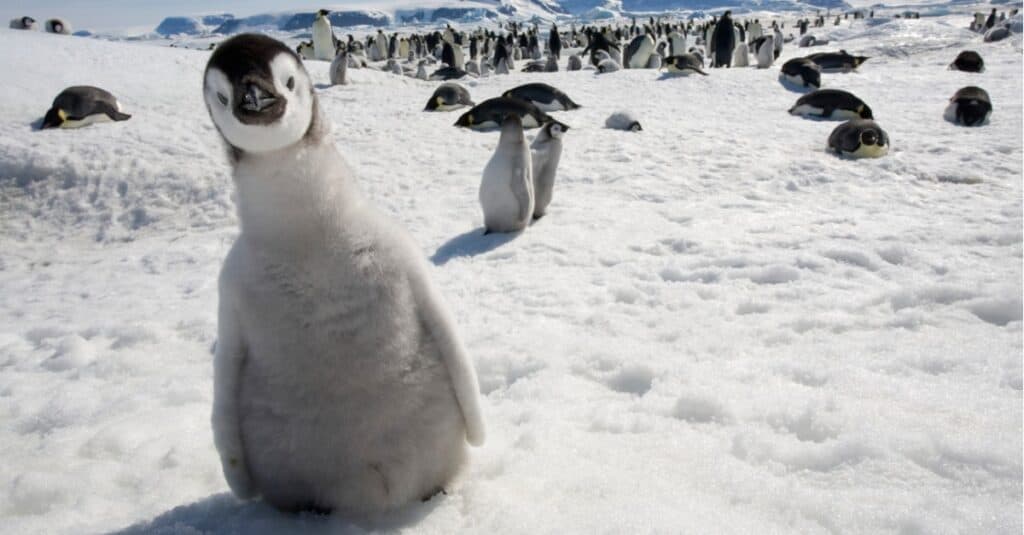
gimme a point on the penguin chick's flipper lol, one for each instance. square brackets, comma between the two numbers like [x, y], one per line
[114, 113]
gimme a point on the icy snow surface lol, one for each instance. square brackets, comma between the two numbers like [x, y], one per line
[719, 327]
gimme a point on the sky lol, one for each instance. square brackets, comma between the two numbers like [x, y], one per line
[112, 14]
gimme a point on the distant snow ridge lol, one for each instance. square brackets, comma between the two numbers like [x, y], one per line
[191, 25]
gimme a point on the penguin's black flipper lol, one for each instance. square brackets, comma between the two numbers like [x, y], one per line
[114, 113]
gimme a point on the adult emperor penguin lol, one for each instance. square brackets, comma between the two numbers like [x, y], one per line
[638, 52]
[723, 41]
[340, 382]
[841, 61]
[492, 112]
[447, 97]
[969, 106]
[83, 105]
[23, 23]
[545, 152]
[544, 96]
[831, 104]
[59, 26]
[764, 48]
[859, 138]
[323, 36]
[801, 72]
[684, 64]
[968, 61]
[339, 68]
[555, 42]
[676, 43]
[506, 191]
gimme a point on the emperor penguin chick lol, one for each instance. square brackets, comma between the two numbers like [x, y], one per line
[506, 191]
[545, 152]
[340, 382]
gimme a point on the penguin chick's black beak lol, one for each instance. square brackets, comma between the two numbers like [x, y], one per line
[256, 99]
[52, 119]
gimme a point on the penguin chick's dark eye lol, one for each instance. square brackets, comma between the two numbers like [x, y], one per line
[291, 83]
[223, 100]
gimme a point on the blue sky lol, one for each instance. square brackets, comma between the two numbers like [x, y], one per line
[110, 14]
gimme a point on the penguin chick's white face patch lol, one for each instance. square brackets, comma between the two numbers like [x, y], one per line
[556, 131]
[291, 84]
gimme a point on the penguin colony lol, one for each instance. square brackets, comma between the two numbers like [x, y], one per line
[411, 432]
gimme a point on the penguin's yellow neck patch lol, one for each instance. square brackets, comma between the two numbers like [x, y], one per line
[62, 114]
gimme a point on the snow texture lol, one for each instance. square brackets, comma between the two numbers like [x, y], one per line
[718, 327]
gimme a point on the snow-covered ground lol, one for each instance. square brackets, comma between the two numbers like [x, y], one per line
[718, 328]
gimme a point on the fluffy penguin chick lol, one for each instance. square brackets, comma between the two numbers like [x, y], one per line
[340, 382]
[545, 152]
[623, 120]
[506, 191]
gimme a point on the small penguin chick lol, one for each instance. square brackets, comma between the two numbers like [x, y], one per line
[545, 152]
[623, 120]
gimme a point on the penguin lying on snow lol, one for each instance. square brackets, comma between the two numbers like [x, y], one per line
[969, 106]
[83, 105]
[859, 138]
[837, 61]
[684, 64]
[831, 104]
[801, 72]
[491, 113]
[447, 97]
[23, 23]
[623, 120]
[544, 96]
[968, 61]
[58, 26]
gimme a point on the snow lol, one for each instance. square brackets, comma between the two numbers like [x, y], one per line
[719, 327]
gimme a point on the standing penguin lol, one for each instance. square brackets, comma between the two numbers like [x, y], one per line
[723, 41]
[339, 380]
[339, 68]
[555, 42]
[765, 46]
[740, 57]
[777, 40]
[323, 36]
[506, 191]
[545, 152]
[575, 63]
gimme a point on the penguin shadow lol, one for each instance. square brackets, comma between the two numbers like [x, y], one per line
[322, 86]
[223, 513]
[36, 125]
[796, 88]
[675, 76]
[471, 243]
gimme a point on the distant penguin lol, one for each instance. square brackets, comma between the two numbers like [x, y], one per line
[305, 50]
[684, 64]
[83, 105]
[552, 64]
[837, 61]
[969, 106]
[623, 120]
[447, 97]
[339, 68]
[394, 68]
[676, 44]
[997, 33]
[777, 42]
[490, 113]
[654, 62]
[801, 72]
[607, 66]
[506, 190]
[740, 56]
[545, 152]
[859, 138]
[323, 36]
[575, 63]
[833, 104]
[23, 23]
[472, 67]
[638, 52]
[59, 26]
[544, 96]
[448, 73]
[723, 41]
[421, 70]
[502, 66]
[555, 42]
[968, 61]
[765, 46]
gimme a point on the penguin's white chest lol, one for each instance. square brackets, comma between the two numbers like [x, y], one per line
[323, 39]
[506, 190]
[344, 396]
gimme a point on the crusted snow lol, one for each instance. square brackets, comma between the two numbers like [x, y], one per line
[719, 327]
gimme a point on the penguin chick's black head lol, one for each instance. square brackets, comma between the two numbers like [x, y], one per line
[258, 93]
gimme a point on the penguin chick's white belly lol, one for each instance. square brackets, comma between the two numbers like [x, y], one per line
[344, 401]
[502, 208]
[869, 151]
